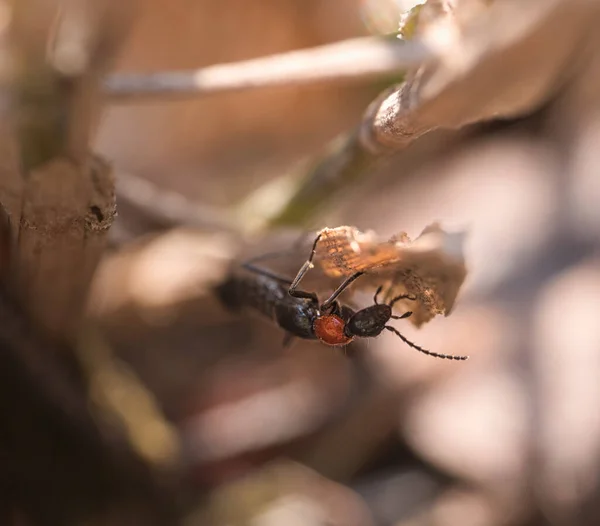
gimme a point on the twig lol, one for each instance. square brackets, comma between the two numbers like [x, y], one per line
[356, 59]
[472, 79]
[294, 198]
[170, 207]
[501, 64]
[504, 65]
[60, 198]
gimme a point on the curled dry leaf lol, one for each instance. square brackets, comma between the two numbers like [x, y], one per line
[493, 60]
[344, 250]
[431, 267]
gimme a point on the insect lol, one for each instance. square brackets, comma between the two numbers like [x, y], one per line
[301, 314]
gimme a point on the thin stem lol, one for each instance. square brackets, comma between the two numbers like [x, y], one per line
[170, 207]
[355, 59]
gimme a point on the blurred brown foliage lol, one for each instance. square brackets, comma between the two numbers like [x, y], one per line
[233, 430]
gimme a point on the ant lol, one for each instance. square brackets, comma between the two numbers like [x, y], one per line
[301, 314]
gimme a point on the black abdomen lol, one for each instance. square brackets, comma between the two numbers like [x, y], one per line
[268, 297]
[258, 293]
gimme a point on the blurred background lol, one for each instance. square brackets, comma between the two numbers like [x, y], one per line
[230, 428]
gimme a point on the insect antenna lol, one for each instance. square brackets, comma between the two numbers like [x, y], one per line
[402, 297]
[345, 284]
[425, 351]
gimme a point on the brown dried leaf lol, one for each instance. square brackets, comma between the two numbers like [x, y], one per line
[344, 250]
[494, 59]
[431, 267]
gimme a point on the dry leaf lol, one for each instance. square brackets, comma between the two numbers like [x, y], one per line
[431, 267]
[344, 250]
[494, 59]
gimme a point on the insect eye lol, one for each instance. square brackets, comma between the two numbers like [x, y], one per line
[330, 329]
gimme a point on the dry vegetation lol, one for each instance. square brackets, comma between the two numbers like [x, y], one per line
[129, 396]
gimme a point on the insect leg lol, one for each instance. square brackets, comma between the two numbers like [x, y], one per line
[271, 255]
[308, 264]
[301, 241]
[267, 273]
[336, 309]
[249, 265]
[280, 279]
[345, 284]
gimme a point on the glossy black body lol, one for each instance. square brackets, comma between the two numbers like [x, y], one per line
[296, 316]
[296, 310]
[271, 299]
